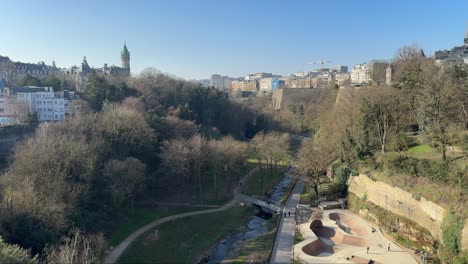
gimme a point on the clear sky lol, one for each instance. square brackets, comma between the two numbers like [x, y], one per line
[196, 38]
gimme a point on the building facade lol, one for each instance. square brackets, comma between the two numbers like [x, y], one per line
[79, 74]
[20, 104]
[458, 54]
[221, 83]
[244, 85]
[360, 74]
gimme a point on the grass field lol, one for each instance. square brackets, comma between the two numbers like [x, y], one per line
[185, 240]
[421, 149]
[131, 220]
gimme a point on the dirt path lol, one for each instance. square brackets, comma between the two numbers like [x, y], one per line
[116, 252]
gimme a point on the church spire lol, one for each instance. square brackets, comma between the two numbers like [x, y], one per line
[125, 57]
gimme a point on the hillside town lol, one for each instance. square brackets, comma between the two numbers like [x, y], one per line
[25, 104]
[360, 163]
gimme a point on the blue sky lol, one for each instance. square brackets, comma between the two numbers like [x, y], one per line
[196, 38]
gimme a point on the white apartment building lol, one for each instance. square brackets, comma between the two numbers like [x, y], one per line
[360, 74]
[44, 102]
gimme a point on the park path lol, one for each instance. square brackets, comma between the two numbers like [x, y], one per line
[282, 249]
[116, 252]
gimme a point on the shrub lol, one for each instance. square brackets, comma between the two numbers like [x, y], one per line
[401, 164]
[452, 226]
[398, 142]
[14, 254]
[435, 170]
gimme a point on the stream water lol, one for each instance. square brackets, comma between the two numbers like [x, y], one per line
[257, 226]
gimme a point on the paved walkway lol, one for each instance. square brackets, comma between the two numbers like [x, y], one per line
[114, 255]
[282, 249]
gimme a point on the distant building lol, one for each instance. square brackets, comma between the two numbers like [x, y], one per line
[360, 74]
[79, 74]
[204, 82]
[221, 83]
[458, 54]
[244, 85]
[343, 78]
[19, 103]
[258, 76]
[270, 83]
[340, 69]
[21, 69]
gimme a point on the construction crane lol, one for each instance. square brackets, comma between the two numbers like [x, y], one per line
[322, 62]
[319, 62]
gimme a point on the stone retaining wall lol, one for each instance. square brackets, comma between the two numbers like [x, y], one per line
[424, 212]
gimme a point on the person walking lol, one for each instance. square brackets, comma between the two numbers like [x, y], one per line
[289, 213]
[367, 250]
[388, 246]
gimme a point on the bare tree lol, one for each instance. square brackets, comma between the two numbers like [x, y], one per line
[175, 156]
[124, 178]
[313, 162]
[270, 149]
[77, 248]
[409, 52]
[440, 106]
[7, 70]
[380, 116]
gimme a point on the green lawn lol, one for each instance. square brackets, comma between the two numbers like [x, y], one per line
[185, 240]
[421, 149]
[131, 220]
[261, 181]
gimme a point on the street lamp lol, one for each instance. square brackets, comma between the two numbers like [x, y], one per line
[409, 217]
[386, 212]
[293, 244]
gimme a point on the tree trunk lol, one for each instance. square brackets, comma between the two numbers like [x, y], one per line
[444, 152]
[316, 189]
[214, 184]
[200, 184]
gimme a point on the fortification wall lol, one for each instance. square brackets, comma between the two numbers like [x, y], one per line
[426, 213]
[282, 97]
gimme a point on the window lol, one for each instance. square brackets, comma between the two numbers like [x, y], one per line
[1, 101]
[2, 110]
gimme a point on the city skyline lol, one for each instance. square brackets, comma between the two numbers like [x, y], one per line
[231, 39]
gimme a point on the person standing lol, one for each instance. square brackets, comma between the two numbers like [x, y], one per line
[367, 250]
[388, 246]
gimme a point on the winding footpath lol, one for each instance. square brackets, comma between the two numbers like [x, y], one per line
[116, 252]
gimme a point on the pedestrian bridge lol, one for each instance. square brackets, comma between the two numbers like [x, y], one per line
[271, 206]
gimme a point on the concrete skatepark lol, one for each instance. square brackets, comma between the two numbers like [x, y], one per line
[343, 237]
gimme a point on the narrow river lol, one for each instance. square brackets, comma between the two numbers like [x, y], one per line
[257, 226]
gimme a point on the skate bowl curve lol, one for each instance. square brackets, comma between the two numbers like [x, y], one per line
[349, 224]
[318, 249]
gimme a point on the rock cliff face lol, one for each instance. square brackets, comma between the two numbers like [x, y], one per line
[427, 214]
[9, 137]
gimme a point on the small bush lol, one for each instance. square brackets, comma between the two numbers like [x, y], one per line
[452, 226]
[435, 170]
[401, 164]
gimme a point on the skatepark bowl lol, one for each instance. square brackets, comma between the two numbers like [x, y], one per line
[328, 237]
[348, 224]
